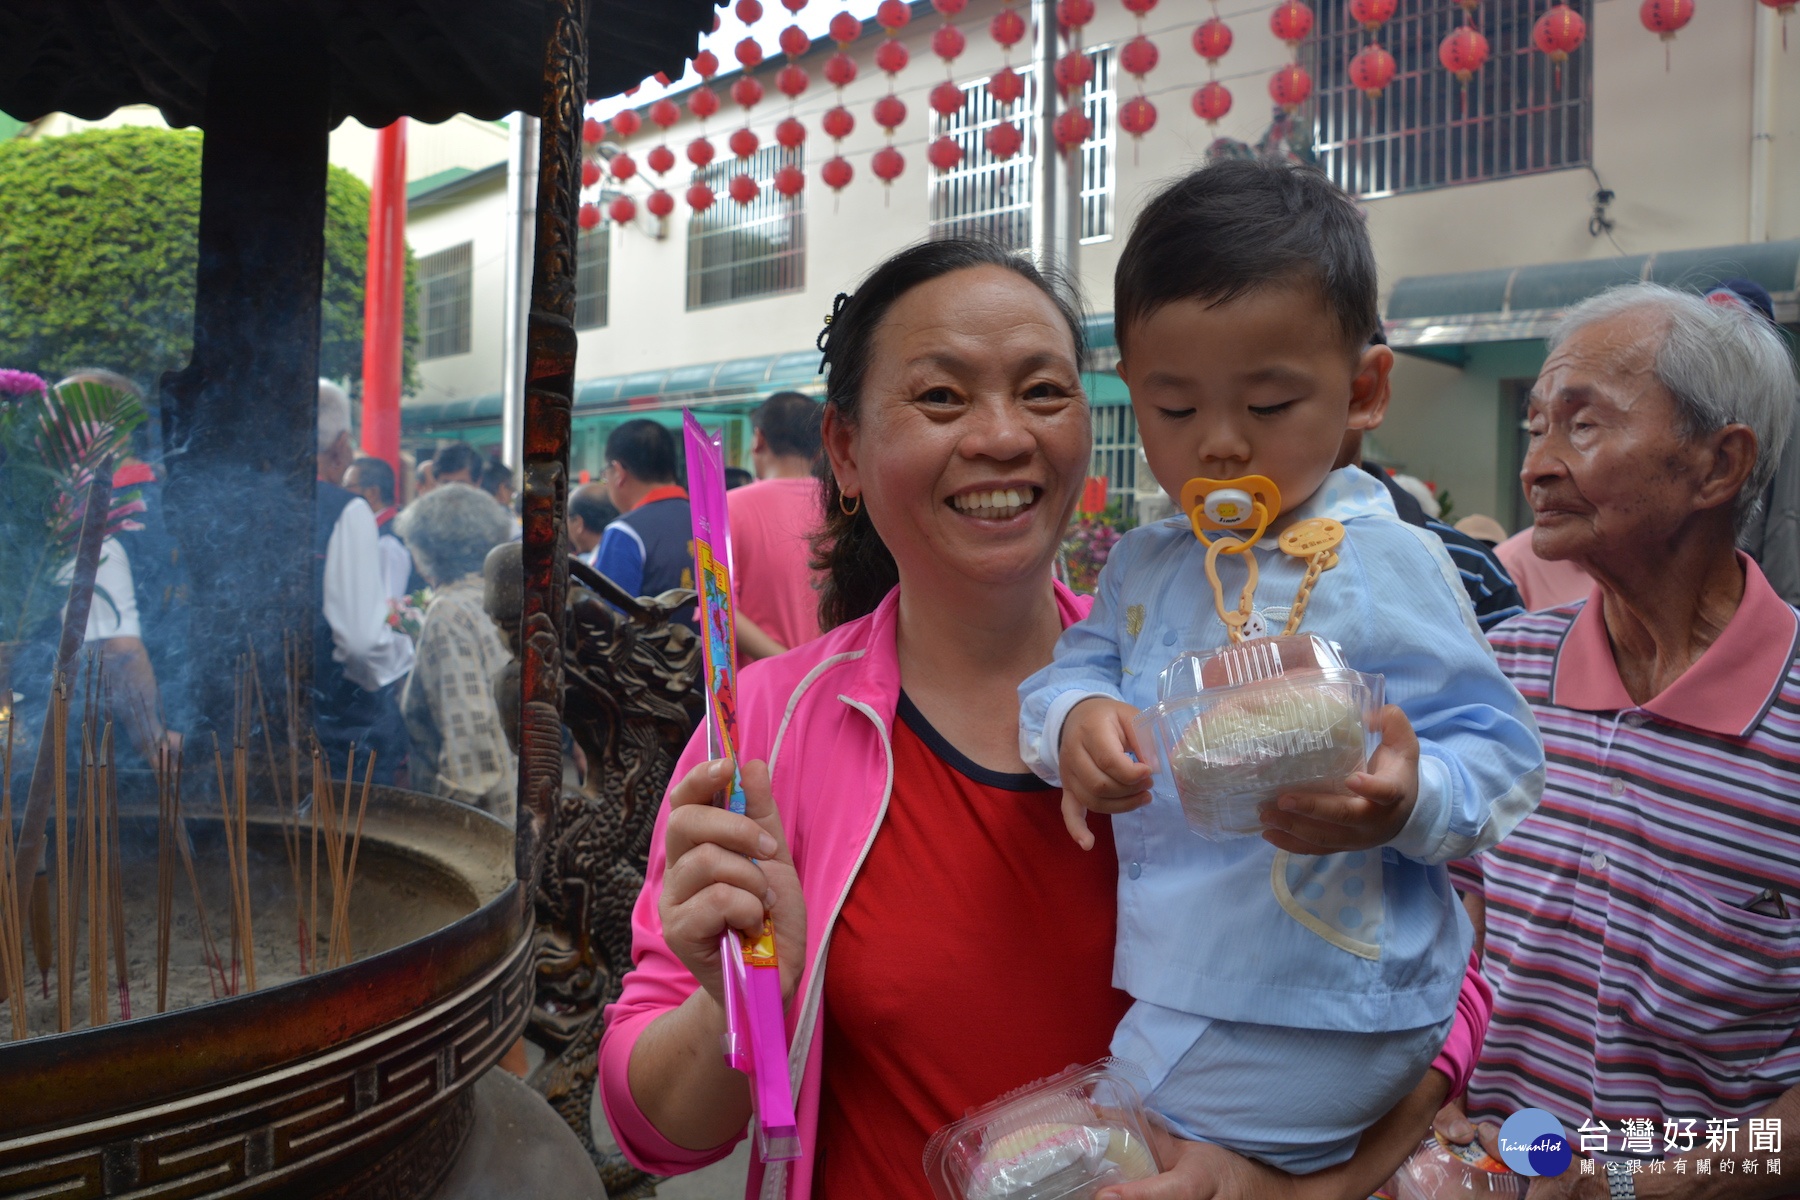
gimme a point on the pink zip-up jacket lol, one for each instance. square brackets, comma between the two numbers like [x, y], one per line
[822, 717]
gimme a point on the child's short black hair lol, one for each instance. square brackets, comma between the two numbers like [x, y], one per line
[1227, 229]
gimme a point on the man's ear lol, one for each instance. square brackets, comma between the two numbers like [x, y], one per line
[1371, 388]
[1732, 460]
[839, 437]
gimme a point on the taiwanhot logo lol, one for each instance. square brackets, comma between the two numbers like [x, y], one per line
[1532, 1142]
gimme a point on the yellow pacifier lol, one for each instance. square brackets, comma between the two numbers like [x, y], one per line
[1242, 507]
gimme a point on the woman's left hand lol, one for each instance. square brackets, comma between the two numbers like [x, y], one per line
[1202, 1171]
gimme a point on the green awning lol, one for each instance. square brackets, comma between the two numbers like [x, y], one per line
[1435, 316]
[735, 381]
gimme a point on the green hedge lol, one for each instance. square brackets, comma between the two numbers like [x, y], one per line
[97, 256]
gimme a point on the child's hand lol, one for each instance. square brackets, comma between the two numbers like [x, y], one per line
[1370, 812]
[1098, 773]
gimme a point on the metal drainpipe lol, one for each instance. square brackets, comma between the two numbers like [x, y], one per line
[521, 232]
[1050, 243]
[1762, 85]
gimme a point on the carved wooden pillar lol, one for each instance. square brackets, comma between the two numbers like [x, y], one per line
[549, 398]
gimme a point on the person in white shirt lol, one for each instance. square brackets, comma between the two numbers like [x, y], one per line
[373, 480]
[115, 630]
[358, 658]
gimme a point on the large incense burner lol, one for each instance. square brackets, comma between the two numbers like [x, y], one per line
[354, 1080]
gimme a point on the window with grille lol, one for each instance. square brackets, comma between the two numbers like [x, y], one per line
[1519, 115]
[446, 286]
[593, 250]
[739, 251]
[985, 196]
[1115, 453]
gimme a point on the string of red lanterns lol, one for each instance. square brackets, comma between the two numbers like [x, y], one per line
[890, 111]
[1291, 85]
[1137, 116]
[1072, 72]
[1212, 41]
[1006, 85]
[947, 42]
[840, 71]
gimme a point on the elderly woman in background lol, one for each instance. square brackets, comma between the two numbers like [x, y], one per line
[461, 749]
[1641, 925]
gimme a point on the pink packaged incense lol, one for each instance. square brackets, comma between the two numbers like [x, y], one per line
[755, 1040]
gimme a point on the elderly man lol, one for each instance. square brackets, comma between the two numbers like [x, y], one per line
[1643, 925]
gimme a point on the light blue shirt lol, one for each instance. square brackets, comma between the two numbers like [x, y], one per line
[1237, 930]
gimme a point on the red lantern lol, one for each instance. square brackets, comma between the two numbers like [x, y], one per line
[1372, 70]
[749, 54]
[623, 209]
[791, 80]
[665, 113]
[1073, 70]
[840, 70]
[1211, 102]
[590, 173]
[793, 6]
[744, 189]
[838, 123]
[700, 152]
[837, 173]
[1291, 22]
[660, 203]
[1464, 50]
[1666, 17]
[1006, 85]
[588, 216]
[790, 133]
[944, 153]
[1007, 27]
[1559, 33]
[949, 8]
[1139, 57]
[626, 123]
[947, 99]
[749, 11]
[661, 159]
[622, 166]
[1290, 86]
[1071, 128]
[948, 42]
[699, 197]
[893, 15]
[703, 103]
[794, 41]
[1372, 14]
[592, 131]
[790, 180]
[1073, 14]
[747, 91]
[1004, 140]
[890, 112]
[887, 164]
[743, 143]
[845, 29]
[1137, 116]
[1212, 40]
[892, 57]
[1139, 8]
[706, 64]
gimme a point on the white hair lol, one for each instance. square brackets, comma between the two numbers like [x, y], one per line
[450, 530]
[334, 414]
[1724, 364]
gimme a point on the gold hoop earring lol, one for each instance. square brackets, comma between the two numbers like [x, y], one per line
[849, 510]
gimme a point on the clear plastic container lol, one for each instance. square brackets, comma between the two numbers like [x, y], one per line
[1237, 727]
[1439, 1172]
[1061, 1138]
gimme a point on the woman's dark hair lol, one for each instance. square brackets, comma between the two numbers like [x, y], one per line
[1235, 226]
[859, 570]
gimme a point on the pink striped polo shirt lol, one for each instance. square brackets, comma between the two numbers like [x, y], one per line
[1629, 978]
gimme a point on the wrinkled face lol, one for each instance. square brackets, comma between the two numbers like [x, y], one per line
[972, 435]
[1608, 466]
[1259, 385]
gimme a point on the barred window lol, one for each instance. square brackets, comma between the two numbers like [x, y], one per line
[446, 287]
[593, 252]
[984, 196]
[739, 251]
[1519, 115]
[1115, 454]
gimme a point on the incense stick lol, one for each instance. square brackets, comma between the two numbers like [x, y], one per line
[165, 873]
[95, 833]
[65, 932]
[312, 927]
[115, 879]
[227, 827]
[289, 834]
[12, 929]
[355, 847]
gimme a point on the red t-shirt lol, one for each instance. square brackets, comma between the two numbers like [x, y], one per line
[772, 523]
[973, 954]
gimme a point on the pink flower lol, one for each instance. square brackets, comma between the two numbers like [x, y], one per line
[19, 383]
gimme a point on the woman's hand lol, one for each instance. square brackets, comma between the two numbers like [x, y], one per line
[710, 883]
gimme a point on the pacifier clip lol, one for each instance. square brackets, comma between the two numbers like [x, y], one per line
[1251, 503]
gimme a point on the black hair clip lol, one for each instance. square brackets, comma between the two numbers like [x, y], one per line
[823, 341]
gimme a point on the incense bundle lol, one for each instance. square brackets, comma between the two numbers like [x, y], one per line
[12, 919]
